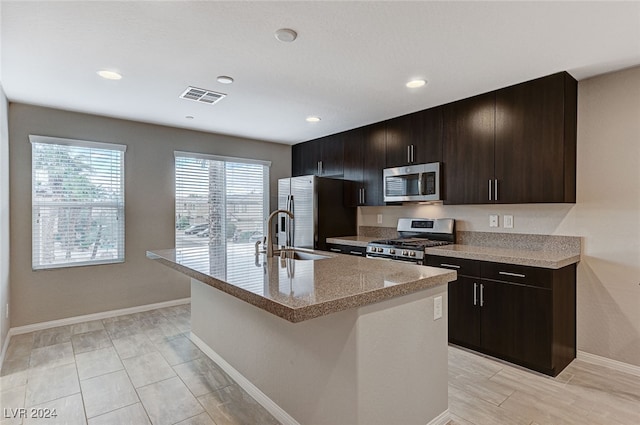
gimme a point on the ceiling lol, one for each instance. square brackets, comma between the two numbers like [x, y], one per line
[349, 64]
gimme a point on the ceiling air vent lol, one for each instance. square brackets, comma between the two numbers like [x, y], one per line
[202, 95]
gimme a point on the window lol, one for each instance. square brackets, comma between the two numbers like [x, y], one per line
[220, 200]
[77, 201]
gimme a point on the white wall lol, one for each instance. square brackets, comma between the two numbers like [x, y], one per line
[149, 212]
[4, 218]
[606, 215]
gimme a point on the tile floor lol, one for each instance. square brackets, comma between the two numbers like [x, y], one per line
[136, 369]
[143, 369]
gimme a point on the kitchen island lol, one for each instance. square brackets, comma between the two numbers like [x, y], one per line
[322, 338]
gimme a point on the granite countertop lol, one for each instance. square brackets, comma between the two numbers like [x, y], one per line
[298, 290]
[360, 241]
[526, 257]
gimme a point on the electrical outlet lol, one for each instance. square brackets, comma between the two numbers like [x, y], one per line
[493, 220]
[379, 218]
[437, 308]
[507, 221]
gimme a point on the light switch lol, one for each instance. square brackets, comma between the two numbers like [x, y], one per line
[507, 221]
[379, 218]
[493, 220]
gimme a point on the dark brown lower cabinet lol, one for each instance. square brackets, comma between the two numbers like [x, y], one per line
[525, 315]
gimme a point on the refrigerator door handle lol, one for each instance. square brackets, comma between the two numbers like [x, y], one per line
[291, 235]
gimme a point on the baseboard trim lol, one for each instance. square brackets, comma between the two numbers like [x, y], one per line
[94, 316]
[442, 419]
[610, 363]
[5, 346]
[253, 391]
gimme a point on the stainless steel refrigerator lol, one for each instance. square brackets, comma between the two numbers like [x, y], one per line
[319, 211]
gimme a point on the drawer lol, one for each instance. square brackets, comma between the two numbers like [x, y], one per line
[513, 273]
[463, 266]
[347, 249]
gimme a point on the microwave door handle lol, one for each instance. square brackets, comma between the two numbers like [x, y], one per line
[421, 183]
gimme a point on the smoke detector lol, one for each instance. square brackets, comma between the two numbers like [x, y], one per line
[201, 95]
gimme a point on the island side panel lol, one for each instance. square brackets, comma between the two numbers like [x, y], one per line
[379, 364]
[403, 359]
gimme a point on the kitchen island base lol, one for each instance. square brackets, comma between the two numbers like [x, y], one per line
[378, 364]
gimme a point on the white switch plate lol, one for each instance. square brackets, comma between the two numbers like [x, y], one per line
[379, 218]
[493, 220]
[437, 308]
[507, 221]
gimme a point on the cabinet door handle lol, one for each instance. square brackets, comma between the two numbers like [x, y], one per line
[495, 189]
[355, 252]
[335, 249]
[475, 293]
[412, 153]
[481, 294]
[319, 167]
[364, 196]
[489, 189]
[512, 274]
[453, 266]
[409, 154]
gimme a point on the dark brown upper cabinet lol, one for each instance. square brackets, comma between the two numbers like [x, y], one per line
[535, 145]
[414, 138]
[364, 159]
[468, 149]
[320, 157]
[514, 145]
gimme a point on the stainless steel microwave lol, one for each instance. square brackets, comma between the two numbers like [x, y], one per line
[417, 183]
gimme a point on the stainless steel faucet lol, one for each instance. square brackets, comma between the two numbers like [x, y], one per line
[269, 241]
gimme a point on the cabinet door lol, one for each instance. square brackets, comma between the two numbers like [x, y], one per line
[414, 138]
[332, 155]
[464, 311]
[373, 164]
[353, 167]
[468, 149]
[403, 137]
[516, 323]
[529, 142]
[304, 158]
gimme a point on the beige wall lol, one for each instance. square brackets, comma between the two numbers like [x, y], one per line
[4, 218]
[606, 215]
[149, 213]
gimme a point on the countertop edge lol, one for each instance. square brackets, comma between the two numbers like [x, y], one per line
[359, 241]
[296, 315]
[506, 258]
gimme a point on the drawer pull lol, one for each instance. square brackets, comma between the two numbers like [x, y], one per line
[355, 252]
[453, 266]
[512, 274]
[335, 249]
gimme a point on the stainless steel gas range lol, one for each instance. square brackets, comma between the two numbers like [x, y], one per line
[414, 235]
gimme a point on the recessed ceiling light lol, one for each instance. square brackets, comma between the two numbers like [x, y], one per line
[286, 35]
[313, 119]
[189, 117]
[109, 75]
[224, 79]
[416, 83]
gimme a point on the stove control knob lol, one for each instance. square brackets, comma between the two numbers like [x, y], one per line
[380, 249]
[412, 254]
[405, 253]
[392, 251]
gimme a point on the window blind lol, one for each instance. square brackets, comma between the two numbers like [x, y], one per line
[220, 200]
[77, 202]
